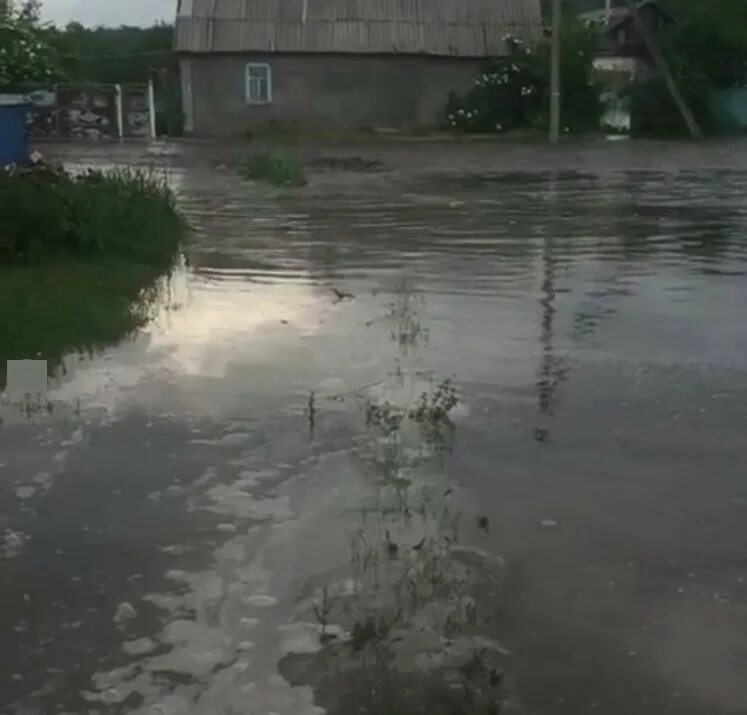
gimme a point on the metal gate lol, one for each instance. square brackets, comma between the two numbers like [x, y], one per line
[92, 111]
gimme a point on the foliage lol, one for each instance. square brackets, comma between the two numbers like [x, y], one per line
[723, 19]
[25, 54]
[105, 55]
[514, 91]
[706, 50]
[114, 55]
[117, 55]
[505, 96]
[581, 106]
[709, 40]
[72, 305]
[126, 214]
[277, 169]
[655, 113]
[30, 11]
[85, 253]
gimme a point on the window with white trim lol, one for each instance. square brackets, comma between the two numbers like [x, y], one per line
[258, 83]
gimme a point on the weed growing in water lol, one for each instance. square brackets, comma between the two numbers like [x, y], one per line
[407, 601]
[322, 609]
[434, 408]
[311, 413]
[386, 417]
[403, 315]
[276, 169]
[430, 413]
[409, 593]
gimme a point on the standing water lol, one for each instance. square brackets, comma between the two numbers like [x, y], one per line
[400, 443]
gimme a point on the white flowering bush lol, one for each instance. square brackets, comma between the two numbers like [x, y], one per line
[514, 91]
[25, 56]
[504, 96]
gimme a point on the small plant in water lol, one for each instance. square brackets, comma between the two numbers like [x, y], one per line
[322, 609]
[385, 417]
[435, 408]
[276, 169]
[311, 413]
[408, 619]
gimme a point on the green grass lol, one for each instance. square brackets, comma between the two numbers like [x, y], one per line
[47, 213]
[274, 168]
[81, 306]
[80, 259]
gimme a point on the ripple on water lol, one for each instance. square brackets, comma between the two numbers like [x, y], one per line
[574, 309]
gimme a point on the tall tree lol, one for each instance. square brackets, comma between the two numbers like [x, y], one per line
[25, 55]
[30, 11]
[724, 18]
[710, 38]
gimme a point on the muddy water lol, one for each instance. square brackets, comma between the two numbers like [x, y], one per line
[271, 501]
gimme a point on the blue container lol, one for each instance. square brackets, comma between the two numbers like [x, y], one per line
[14, 137]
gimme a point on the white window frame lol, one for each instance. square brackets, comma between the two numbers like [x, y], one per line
[248, 80]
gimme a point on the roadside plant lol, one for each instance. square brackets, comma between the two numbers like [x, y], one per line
[706, 50]
[127, 213]
[274, 168]
[514, 91]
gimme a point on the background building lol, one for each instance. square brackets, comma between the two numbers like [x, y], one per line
[340, 64]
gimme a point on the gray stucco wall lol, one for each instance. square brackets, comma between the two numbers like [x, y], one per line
[328, 91]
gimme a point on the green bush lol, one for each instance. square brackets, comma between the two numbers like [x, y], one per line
[514, 91]
[73, 305]
[46, 212]
[655, 113]
[713, 37]
[86, 255]
[706, 50]
[274, 168]
[25, 55]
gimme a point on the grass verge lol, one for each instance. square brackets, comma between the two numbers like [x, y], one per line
[77, 305]
[46, 213]
[80, 259]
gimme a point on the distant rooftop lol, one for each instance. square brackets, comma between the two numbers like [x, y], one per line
[456, 28]
[617, 14]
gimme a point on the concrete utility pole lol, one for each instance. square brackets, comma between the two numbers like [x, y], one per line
[557, 13]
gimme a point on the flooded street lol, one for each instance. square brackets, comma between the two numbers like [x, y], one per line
[454, 439]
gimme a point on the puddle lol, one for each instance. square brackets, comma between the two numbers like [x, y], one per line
[443, 444]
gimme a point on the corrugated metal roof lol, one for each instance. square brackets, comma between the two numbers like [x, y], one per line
[461, 28]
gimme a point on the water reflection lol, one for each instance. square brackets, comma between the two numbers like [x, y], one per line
[549, 375]
[399, 631]
[48, 326]
[292, 475]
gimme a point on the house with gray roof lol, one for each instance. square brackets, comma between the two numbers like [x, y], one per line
[336, 64]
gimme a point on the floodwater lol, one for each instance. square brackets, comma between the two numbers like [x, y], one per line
[444, 442]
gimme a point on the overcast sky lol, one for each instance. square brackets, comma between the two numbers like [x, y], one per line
[109, 12]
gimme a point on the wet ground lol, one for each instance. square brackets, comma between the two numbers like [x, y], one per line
[432, 435]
